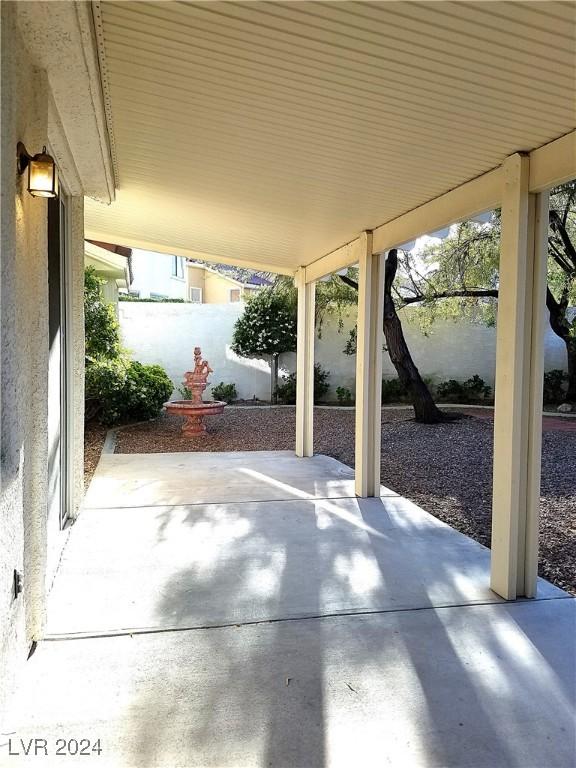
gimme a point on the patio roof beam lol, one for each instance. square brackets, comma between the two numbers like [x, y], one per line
[474, 197]
[553, 164]
[342, 257]
[305, 366]
[550, 165]
[369, 369]
[518, 388]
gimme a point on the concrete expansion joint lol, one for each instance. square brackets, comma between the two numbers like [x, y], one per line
[60, 637]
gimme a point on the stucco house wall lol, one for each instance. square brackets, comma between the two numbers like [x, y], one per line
[26, 545]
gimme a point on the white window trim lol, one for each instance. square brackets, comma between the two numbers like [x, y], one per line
[179, 260]
[195, 288]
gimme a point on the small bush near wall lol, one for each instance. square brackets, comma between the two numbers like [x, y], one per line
[344, 395]
[127, 390]
[224, 392]
[118, 389]
[287, 390]
[471, 390]
[554, 389]
[150, 300]
[393, 391]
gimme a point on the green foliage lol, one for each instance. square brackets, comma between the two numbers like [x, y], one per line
[287, 390]
[332, 298]
[471, 390]
[465, 261]
[147, 389]
[127, 390]
[151, 299]
[101, 326]
[224, 392]
[393, 391]
[124, 389]
[267, 325]
[554, 389]
[185, 392]
[344, 395]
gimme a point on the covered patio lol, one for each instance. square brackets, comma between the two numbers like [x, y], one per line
[308, 137]
[275, 618]
[278, 608]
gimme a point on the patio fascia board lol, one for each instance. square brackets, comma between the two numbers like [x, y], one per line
[61, 40]
[212, 258]
[550, 165]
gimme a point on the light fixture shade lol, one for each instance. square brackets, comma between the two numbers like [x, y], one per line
[42, 175]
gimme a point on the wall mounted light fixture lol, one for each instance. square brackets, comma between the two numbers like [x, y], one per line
[42, 172]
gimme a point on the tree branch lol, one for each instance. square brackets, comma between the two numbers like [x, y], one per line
[472, 293]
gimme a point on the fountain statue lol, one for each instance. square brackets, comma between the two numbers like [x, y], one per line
[195, 409]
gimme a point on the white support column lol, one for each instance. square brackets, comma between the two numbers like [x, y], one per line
[369, 369]
[305, 366]
[518, 389]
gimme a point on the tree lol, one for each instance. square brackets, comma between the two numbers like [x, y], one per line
[425, 409]
[341, 292]
[460, 276]
[267, 327]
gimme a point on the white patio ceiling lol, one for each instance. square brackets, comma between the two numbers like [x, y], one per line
[274, 132]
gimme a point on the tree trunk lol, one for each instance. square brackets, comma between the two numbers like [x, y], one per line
[425, 409]
[274, 379]
[561, 327]
[571, 355]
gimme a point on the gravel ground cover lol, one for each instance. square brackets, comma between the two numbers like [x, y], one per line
[446, 469]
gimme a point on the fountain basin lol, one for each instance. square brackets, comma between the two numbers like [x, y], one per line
[194, 414]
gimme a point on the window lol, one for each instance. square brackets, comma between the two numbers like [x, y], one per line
[195, 295]
[235, 295]
[178, 267]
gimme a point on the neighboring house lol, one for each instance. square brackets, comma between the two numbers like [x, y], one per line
[112, 263]
[158, 275]
[220, 284]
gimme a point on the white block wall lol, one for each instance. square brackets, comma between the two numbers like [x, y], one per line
[167, 334]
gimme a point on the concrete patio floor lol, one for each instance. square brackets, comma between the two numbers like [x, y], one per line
[245, 609]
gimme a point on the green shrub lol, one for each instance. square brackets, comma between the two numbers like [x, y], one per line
[393, 391]
[150, 299]
[185, 392]
[127, 390]
[119, 389]
[476, 388]
[100, 324]
[147, 389]
[344, 396]
[286, 391]
[224, 392]
[554, 386]
[467, 391]
[451, 390]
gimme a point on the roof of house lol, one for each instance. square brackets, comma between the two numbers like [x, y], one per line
[239, 274]
[108, 262]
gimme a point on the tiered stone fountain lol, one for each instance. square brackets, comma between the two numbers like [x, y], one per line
[195, 409]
